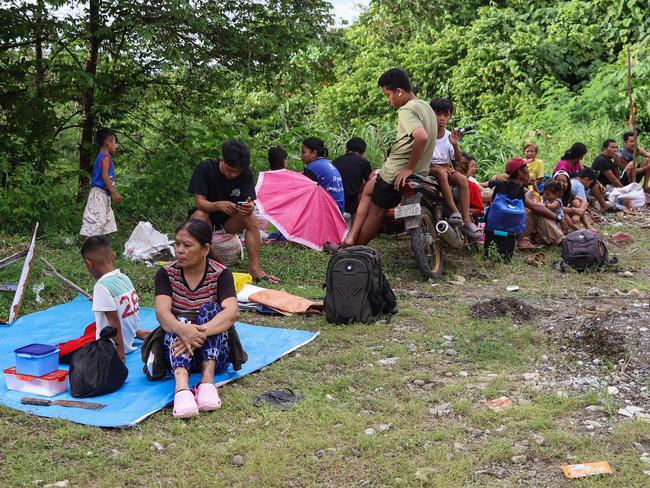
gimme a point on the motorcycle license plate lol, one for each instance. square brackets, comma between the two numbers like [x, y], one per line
[411, 210]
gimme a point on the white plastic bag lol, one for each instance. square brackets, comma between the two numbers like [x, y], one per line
[631, 195]
[145, 242]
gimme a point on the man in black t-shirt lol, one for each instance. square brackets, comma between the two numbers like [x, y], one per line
[224, 191]
[604, 164]
[355, 171]
[607, 166]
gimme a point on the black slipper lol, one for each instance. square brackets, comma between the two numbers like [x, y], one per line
[331, 248]
[283, 399]
[269, 279]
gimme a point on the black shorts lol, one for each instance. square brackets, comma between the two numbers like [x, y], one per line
[384, 195]
[218, 219]
[625, 182]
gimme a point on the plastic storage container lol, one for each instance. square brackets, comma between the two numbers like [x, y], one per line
[37, 359]
[48, 385]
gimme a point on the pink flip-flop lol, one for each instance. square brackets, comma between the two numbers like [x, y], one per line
[207, 397]
[185, 405]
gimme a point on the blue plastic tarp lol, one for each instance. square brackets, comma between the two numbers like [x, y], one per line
[137, 398]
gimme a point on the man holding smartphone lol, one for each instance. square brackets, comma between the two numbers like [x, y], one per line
[224, 194]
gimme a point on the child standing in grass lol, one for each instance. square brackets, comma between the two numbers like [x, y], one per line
[98, 218]
[115, 301]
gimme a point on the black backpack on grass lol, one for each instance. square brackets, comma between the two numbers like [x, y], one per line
[584, 250]
[356, 288]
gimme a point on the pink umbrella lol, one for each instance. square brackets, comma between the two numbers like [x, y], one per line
[299, 208]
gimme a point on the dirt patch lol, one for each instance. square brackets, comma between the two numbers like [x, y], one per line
[617, 334]
[501, 307]
[601, 335]
[600, 348]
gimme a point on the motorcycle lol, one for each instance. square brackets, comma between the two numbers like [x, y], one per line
[424, 213]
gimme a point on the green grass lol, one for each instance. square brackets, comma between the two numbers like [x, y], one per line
[418, 450]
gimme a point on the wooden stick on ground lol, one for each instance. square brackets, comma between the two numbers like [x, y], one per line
[13, 258]
[14, 309]
[63, 279]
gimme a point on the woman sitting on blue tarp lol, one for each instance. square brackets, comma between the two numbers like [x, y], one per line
[196, 305]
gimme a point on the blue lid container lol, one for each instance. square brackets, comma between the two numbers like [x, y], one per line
[37, 359]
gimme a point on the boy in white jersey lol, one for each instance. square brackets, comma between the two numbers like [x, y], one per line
[115, 301]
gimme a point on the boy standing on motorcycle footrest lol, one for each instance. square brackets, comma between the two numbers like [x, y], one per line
[410, 153]
[448, 148]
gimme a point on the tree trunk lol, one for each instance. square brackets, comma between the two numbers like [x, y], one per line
[38, 82]
[88, 117]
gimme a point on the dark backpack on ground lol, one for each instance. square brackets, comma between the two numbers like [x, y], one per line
[156, 365]
[584, 250]
[356, 288]
[96, 368]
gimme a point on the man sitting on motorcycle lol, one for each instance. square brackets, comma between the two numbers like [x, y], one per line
[448, 148]
[410, 153]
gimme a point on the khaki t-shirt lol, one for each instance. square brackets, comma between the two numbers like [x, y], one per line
[415, 114]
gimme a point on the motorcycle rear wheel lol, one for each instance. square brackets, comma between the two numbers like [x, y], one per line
[427, 247]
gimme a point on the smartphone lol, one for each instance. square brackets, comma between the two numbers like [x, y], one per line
[239, 204]
[469, 129]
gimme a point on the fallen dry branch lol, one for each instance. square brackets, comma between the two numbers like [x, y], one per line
[13, 258]
[63, 279]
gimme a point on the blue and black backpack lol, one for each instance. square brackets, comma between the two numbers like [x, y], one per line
[506, 215]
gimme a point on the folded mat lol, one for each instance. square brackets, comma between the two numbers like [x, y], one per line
[138, 398]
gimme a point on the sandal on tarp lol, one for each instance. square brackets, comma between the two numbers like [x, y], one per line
[184, 404]
[207, 397]
[455, 219]
[283, 399]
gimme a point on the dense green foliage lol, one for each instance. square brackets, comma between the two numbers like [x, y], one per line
[175, 80]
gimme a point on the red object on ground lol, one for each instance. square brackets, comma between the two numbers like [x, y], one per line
[73, 345]
[621, 237]
[300, 209]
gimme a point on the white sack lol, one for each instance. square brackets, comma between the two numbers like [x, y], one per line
[145, 242]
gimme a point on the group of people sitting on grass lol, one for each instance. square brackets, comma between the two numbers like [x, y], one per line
[196, 303]
[562, 201]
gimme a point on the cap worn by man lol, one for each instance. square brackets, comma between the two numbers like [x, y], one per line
[514, 164]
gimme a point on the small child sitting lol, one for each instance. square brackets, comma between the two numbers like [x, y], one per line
[552, 200]
[277, 158]
[115, 301]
